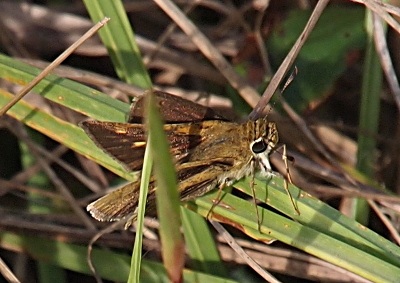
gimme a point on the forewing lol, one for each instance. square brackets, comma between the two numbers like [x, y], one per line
[127, 142]
[124, 142]
[174, 109]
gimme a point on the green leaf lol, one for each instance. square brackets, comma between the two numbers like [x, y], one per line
[323, 57]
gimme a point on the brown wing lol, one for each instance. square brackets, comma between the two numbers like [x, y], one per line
[199, 179]
[174, 109]
[195, 179]
[127, 142]
[117, 204]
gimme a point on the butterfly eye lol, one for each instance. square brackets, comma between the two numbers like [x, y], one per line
[259, 146]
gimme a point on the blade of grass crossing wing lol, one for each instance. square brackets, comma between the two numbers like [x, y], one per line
[167, 196]
[136, 259]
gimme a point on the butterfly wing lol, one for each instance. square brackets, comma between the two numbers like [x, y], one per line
[126, 142]
[174, 109]
[195, 179]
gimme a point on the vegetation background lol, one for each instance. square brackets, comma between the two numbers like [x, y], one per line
[347, 156]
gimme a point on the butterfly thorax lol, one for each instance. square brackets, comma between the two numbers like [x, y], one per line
[233, 150]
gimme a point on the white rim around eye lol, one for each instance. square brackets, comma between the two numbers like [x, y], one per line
[258, 146]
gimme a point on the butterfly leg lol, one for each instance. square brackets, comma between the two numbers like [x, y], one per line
[253, 191]
[288, 178]
[200, 177]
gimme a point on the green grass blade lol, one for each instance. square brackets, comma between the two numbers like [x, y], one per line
[321, 217]
[66, 133]
[369, 118]
[370, 105]
[307, 239]
[39, 204]
[321, 231]
[76, 96]
[197, 237]
[136, 260]
[167, 195]
[119, 39]
[316, 217]
[111, 266]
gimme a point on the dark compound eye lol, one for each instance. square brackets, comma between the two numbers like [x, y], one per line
[259, 146]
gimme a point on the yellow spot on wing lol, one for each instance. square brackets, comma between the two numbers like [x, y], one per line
[138, 144]
[121, 130]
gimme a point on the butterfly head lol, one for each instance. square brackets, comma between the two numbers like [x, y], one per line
[263, 143]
